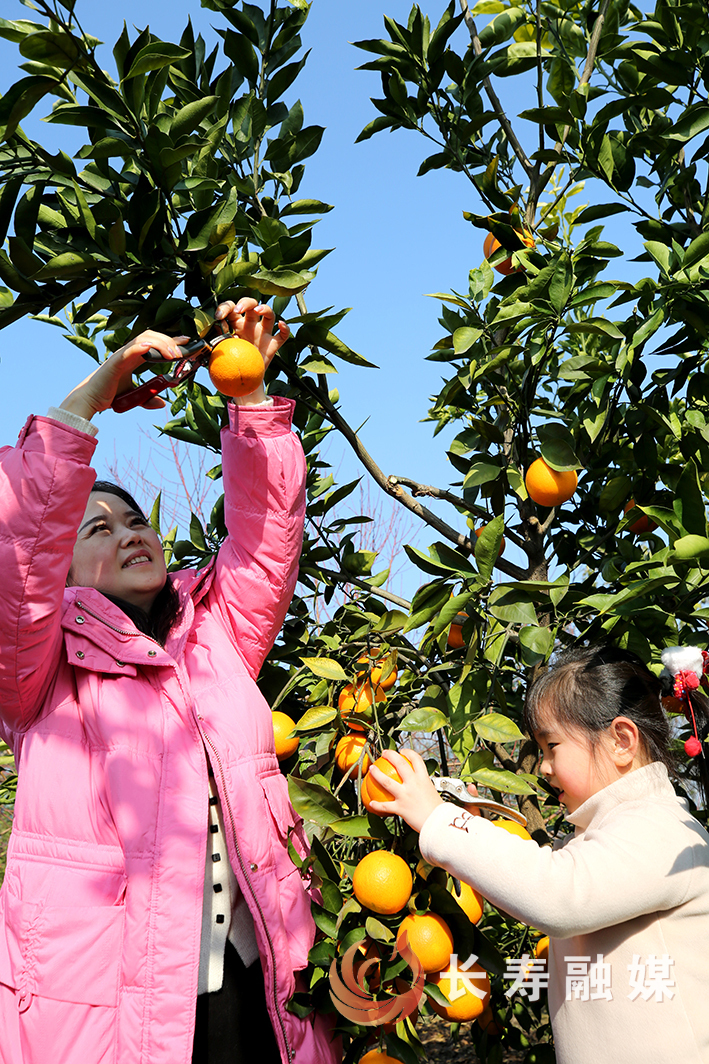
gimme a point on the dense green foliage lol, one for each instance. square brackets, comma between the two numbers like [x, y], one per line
[192, 168]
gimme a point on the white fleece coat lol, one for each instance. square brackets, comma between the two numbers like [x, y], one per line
[633, 881]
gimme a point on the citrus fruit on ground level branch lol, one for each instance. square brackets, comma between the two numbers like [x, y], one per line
[643, 524]
[348, 750]
[375, 1056]
[382, 882]
[468, 1006]
[491, 245]
[429, 937]
[546, 486]
[514, 829]
[479, 532]
[470, 902]
[236, 367]
[375, 792]
[283, 725]
[375, 672]
[357, 699]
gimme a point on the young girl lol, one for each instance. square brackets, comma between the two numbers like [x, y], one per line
[625, 899]
[150, 913]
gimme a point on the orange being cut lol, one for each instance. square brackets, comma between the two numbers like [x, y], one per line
[373, 791]
[236, 367]
[513, 828]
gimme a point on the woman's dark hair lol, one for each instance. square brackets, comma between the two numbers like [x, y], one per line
[588, 687]
[164, 611]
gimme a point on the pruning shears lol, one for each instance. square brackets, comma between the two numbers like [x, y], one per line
[193, 355]
[457, 791]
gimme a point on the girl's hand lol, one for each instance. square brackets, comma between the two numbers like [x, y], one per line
[254, 322]
[99, 389]
[415, 797]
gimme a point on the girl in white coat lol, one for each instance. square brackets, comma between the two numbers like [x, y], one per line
[625, 899]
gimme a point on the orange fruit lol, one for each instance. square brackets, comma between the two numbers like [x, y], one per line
[455, 632]
[236, 367]
[547, 487]
[470, 902]
[491, 245]
[283, 725]
[430, 938]
[375, 1056]
[347, 753]
[514, 829]
[357, 699]
[489, 1024]
[382, 882]
[373, 791]
[479, 532]
[375, 672]
[541, 950]
[468, 1006]
[643, 524]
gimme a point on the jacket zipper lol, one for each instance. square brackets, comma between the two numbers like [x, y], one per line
[113, 627]
[281, 1022]
[253, 894]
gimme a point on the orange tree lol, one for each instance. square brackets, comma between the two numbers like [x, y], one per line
[187, 190]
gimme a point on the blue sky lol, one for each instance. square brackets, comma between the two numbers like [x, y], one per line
[395, 236]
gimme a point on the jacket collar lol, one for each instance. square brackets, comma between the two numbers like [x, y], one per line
[650, 781]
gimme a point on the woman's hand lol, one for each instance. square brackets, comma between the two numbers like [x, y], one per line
[114, 376]
[415, 797]
[254, 322]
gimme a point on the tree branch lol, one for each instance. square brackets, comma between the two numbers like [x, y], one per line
[494, 98]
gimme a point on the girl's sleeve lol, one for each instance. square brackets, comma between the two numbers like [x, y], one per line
[44, 483]
[634, 863]
[264, 486]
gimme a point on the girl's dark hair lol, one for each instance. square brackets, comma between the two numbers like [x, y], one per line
[588, 687]
[164, 611]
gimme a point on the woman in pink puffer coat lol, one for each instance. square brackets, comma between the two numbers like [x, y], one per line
[150, 913]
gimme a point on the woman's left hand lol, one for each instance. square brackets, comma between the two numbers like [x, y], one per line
[254, 322]
[415, 797]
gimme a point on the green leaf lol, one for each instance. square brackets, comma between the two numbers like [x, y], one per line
[497, 728]
[511, 606]
[314, 718]
[595, 326]
[327, 668]
[313, 802]
[464, 338]
[155, 56]
[425, 720]
[190, 116]
[19, 100]
[278, 282]
[689, 502]
[697, 251]
[487, 547]
[694, 121]
[499, 779]
[54, 49]
[536, 644]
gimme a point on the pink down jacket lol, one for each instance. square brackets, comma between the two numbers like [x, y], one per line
[101, 907]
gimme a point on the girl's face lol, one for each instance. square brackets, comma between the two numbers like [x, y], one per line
[117, 552]
[571, 765]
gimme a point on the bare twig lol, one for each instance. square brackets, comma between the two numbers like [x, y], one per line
[494, 98]
[348, 578]
[455, 500]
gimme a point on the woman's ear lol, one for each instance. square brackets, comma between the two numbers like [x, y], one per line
[625, 744]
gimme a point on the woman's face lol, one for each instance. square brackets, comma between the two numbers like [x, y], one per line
[117, 552]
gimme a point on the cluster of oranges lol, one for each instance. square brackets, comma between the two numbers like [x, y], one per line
[383, 883]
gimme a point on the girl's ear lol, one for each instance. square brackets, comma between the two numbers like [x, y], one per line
[625, 744]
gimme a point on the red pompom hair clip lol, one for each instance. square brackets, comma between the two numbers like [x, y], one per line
[687, 666]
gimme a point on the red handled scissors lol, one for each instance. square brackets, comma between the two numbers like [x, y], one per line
[195, 354]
